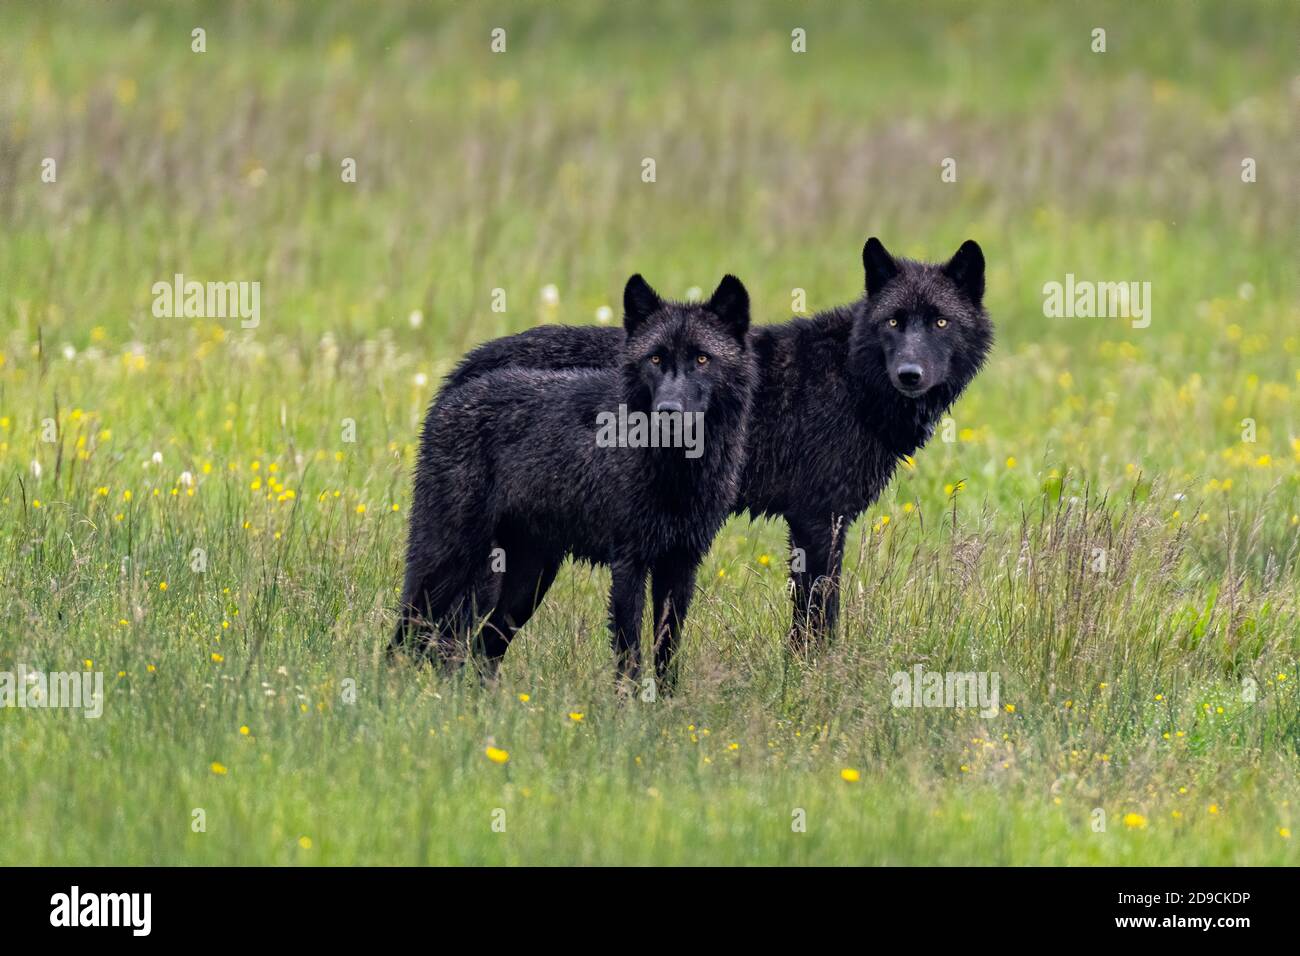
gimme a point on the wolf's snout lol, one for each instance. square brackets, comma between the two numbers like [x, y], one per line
[668, 406]
[910, 375]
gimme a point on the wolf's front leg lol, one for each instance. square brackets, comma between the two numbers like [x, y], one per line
[626, 603]
[816, 553]
[673, 586]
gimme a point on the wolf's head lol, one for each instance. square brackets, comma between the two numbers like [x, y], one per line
[685, 357]
[922, 326]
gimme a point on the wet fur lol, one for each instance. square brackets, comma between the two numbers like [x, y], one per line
[509, 459]
[829, 424]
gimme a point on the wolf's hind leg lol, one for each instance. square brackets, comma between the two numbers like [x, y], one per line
[528, 576]
[437, 607]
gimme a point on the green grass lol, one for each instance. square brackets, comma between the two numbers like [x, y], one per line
[481, 171]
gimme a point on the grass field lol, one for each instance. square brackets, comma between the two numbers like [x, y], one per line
[257, 691]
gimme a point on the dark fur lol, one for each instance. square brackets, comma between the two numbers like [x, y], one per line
[509, 459]
[832, 415]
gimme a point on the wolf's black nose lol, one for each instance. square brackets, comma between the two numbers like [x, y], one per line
[668, 407]
[910, 374]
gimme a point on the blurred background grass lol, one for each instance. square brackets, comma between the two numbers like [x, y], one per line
[522, 170]
[518, 170]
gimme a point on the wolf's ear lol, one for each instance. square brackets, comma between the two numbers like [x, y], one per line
[639, 302]
[730, 303]
[966, 269]
[879, 264]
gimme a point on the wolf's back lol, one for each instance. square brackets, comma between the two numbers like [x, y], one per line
[552, 347]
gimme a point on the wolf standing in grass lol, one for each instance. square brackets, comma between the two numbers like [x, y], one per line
[526, 461]
[841, 398]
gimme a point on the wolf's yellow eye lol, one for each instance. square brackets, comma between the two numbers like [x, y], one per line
[893, 323]
[702, 359]
[655, 360]
[941, 323]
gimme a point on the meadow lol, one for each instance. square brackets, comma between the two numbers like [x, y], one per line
[213, 516]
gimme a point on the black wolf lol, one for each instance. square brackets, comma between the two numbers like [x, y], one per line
[841, 398]
[527, 461]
